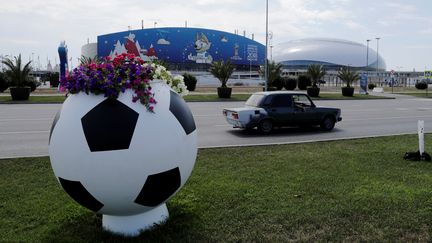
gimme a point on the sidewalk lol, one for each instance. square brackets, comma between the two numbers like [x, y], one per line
[390, 95]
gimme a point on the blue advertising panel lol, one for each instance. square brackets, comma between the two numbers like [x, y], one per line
[363, 84]
[183, 45]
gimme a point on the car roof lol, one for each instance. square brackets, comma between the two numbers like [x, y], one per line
[279, 92]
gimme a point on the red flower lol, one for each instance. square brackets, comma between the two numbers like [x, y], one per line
[92, 66]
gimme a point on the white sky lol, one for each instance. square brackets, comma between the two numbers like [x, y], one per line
[34, 28]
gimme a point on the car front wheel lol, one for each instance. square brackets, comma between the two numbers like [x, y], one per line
[328, 123]
[265, 126]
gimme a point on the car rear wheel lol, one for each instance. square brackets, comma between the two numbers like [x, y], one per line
[265, 126]
[328, 123]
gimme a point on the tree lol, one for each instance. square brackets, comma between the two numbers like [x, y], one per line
[87, 60]
[274, 72]
[315, 72]
[348, 76]
[4, 83]
[222, 71]
[17, 73]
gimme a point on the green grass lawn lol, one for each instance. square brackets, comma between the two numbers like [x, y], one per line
[338, 96]
[355, 190]
[214, 97]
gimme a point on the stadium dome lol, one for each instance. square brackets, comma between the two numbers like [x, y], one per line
[332, 53]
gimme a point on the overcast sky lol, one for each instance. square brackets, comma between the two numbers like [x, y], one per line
[36, 27]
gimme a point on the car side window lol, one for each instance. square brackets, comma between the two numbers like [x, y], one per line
[301, 101]
[281, 101]
[267, 101]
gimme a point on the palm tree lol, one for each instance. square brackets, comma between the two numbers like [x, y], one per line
[348, 76]
[4, 84]
[315, 72]
[17, 75]
[88, 60]
[222, 71]
[274, 72]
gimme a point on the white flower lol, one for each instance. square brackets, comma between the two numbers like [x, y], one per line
[175, 82]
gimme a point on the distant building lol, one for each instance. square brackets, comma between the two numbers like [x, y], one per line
[331, 53]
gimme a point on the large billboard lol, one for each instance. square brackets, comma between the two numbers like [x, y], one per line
[183, 46]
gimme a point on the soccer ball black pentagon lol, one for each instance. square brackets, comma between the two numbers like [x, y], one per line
[116, 158]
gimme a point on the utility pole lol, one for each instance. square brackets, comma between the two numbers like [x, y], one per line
[367, 54]
[266, 61]
[377, 60]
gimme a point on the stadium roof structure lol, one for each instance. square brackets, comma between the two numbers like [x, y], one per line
[332, 53]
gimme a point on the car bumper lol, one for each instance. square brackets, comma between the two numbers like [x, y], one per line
[236, 123]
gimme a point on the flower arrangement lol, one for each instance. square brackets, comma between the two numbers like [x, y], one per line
[125, 71]
[175, 82]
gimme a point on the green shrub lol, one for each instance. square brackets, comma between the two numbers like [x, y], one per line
[33, 84]
[190, 81]
[4, 84]
[278, 83]
[290, 83]
[421, 85]
[371, 86]
[303, 82]
[54, 79]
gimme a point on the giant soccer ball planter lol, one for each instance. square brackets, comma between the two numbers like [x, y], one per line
[118, 159]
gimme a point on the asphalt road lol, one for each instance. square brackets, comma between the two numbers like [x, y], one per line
[24, 129]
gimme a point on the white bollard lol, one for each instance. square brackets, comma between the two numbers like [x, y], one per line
[421, 136]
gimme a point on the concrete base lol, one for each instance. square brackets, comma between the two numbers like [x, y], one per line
[133, 225]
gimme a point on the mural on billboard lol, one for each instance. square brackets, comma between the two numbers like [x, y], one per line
[183, 45]
[202, 45]
[133, 47]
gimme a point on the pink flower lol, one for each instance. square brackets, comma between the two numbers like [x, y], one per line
[92, 66]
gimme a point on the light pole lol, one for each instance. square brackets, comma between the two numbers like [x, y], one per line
[266, 62]
[32, 61]
[367, 55]
[377, 60]
[155, 23]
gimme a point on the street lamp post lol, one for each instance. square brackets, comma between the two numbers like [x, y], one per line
[266, 61]
[377, 60]
[367, 55]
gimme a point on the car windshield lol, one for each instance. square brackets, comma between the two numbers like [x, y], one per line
[254, 100]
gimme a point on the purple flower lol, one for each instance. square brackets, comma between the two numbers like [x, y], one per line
[112, 77]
